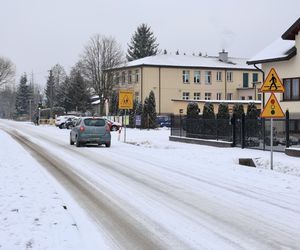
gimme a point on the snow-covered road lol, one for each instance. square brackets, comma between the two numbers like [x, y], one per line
[151, 193]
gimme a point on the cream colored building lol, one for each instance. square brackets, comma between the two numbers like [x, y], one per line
[179, 79]
[283, 57]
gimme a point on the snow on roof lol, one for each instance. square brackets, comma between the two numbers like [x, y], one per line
[189, 61]
[276, 51]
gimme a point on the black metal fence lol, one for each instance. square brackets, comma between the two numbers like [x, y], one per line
[242, 132]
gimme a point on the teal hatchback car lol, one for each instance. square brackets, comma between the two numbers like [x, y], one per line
[90, 130]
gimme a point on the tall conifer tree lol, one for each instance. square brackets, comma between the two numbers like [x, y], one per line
[142, 44]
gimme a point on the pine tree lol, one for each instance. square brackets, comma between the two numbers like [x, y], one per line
[238, 110]
[78, 92]
[132, 114]
[208, 111]
[113, 104]
[50, 91]
[142, 44]
[192, 110]
[23, 96]
[145, 114]
[152, 110]
[252, 112]
[223, 112]
[63, 97]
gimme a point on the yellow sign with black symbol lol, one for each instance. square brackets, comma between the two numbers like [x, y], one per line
[272, 83]
[272, 108]
[125, 99]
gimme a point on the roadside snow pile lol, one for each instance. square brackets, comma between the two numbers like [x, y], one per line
[286, 166]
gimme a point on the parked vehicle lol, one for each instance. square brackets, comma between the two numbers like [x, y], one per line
[61, 120]
[163, 121]
[70, 122]
[90, 130]
[114, 126]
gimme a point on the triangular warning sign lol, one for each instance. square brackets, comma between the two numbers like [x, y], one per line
[272, 83]
[272, 109]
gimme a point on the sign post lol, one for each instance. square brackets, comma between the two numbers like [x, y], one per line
[125, 102]
[272, 109]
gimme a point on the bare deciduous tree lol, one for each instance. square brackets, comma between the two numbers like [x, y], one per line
[7, 71]
[101, 54]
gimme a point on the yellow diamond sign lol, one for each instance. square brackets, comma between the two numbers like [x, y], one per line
[125, 99]
[272, 109]
[272, 83]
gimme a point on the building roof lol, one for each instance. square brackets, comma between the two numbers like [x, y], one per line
[189, 62]
[291, 33]
[279, 50]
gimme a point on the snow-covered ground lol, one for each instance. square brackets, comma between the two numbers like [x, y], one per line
[32, 203]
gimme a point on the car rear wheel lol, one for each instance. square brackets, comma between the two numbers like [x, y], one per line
[61, 126]
[114, 128]
[71, 142]
[107, 144]
[78, 144]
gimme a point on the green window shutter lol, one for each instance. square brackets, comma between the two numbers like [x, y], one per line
[245, 80]
[255, 77]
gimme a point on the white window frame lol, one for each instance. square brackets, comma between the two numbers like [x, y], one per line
[207, 77]
[207, 96]
[186, 76]
[129, 76]
[219, 76]
[229, 96]
[185, 95]
[137, 74]
[229, 76]
[197, 95]
[197, 76]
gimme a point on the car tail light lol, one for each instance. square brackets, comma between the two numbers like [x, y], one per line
[82, 129]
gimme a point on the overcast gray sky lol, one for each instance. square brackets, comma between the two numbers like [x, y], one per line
[37, 34]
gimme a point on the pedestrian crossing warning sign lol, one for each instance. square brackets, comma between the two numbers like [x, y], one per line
[272, 109]
[272, 83]
[125, 99]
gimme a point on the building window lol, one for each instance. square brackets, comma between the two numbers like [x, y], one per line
[207, 96]
[219, 76]
[219, 96]
[117, 78]
[123, 77]
[129, 77]
[197, 96]
[250, 97]
[136, 76]
[255, 77]
[229, 96]
[207, 77]
[259, 97]
[229, 76]
[245, 80]
[197, 76]
[243, 98]
[292, 89]
[185, 76]
[185, 95]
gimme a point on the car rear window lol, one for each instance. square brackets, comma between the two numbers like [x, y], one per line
[94, 122]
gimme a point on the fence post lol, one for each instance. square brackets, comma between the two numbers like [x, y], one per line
[243, 131]
[287, 128]
[233, 119]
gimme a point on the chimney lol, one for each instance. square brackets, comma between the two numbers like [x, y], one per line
[223, 56]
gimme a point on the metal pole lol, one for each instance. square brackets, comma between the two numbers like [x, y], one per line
[39, 116]
[125, 127]
[271, 143]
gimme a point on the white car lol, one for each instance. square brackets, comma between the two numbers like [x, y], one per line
[61, 120]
